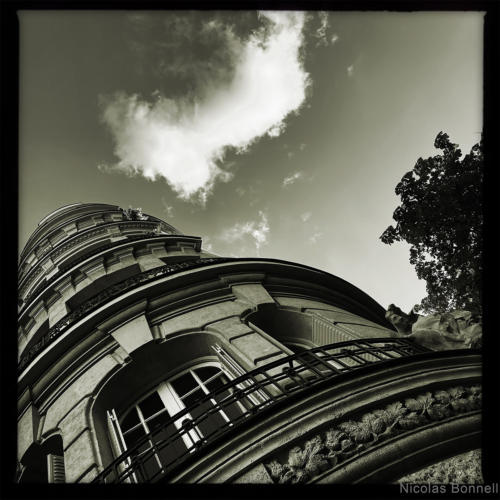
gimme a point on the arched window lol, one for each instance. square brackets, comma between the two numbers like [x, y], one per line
[161, 404]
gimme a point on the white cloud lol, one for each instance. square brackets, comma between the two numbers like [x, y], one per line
[257, 230]
[305, 216]
[350, 70]
[287, 181]
[184, 141]
[334, 38]
[315, 237]
[302, 146]
[206, 243]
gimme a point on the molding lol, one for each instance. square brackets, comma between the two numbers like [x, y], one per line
[243, 278]
[108, 294]
[116, 321]
[65, 269]
[158, 278]
[73, 369]
[73, 240]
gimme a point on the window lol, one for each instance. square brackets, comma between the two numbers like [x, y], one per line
[164, 402]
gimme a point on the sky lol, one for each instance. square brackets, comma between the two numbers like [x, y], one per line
[269, 134]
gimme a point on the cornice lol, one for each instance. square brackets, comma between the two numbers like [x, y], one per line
[78, 238]
[106, 295]
[157, 274]
[151, 237]
[38, 234]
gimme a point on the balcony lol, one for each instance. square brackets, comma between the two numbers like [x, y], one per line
[178, 441]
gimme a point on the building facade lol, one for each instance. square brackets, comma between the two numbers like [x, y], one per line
[143, 358]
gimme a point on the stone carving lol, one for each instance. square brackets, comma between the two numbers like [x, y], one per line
[463, 469]
[400, 320]
[134, 214]
[440, 331]
[324, 451]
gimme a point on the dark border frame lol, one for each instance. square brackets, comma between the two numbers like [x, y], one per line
[9, 198]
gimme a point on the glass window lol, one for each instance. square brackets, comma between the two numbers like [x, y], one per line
[167, 443]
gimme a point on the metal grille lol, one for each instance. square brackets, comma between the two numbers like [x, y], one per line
[252, 392]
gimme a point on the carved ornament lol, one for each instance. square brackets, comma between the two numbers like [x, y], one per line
[328, 449]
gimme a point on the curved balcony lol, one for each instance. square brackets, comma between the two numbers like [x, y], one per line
[245, 398]
[85, 237]
[53, 220]
[73, 262]
[106, 295]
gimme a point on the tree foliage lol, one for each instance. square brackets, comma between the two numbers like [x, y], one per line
[440, 216]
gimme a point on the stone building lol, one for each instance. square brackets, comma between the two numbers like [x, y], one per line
[143, 358]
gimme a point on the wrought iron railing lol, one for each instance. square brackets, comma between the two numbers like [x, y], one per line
[26, 278]
[64, 267]
[108, 294]
[178, 438]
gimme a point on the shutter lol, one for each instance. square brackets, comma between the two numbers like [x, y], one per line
[55, 466]
[115, 432]
[118, 443]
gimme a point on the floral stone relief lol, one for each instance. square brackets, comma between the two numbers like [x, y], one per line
[464, 469]
[330, 448]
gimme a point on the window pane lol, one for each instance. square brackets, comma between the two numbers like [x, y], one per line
[230, 407]
[193, 397]
[151, 405]
[131, 437]
[130, 420]
[211, 422]
[205, 372]
[216, 383]
[184, 384]
[147, 461]
[169, 443]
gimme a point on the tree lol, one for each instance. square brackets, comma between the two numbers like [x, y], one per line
[440, 216]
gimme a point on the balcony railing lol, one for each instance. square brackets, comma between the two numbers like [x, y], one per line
[170, 443]
[64, 267]
[25, 279]
[108, 294]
